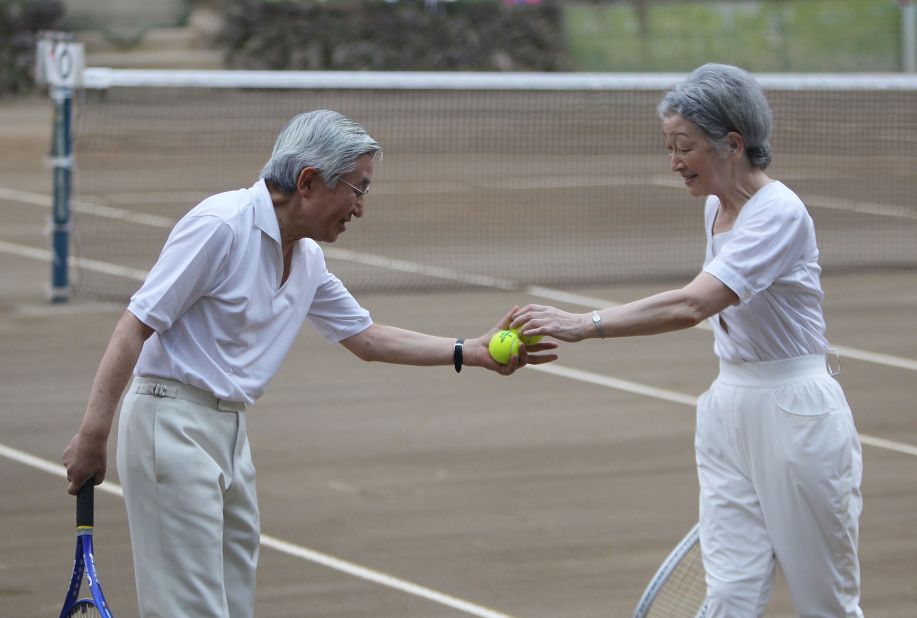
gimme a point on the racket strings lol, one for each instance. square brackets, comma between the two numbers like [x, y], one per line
[84, 609]
[683, 593]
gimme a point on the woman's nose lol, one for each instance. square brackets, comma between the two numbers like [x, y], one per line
[676, 162]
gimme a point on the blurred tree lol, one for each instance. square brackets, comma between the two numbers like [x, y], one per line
[20, 22]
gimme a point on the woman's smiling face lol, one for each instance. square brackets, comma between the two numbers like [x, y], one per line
[694, 157]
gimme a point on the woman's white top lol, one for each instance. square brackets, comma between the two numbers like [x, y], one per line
[770, 260]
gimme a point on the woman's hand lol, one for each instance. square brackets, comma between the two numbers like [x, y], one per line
[477, 351]
[533, 320]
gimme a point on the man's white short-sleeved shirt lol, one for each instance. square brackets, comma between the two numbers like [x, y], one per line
[770, 260]
[223, 321]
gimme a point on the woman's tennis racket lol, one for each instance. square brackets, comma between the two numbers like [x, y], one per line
[678, 589]
[74, 606]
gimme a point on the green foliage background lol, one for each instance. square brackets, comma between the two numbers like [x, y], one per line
[667, 35]
[20, 21]
[489, 35]
[775, 36]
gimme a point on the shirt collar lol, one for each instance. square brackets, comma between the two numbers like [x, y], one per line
[265, 216]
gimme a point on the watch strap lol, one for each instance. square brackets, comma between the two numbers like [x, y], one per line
[457, 354]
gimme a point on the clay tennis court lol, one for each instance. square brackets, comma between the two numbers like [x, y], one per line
[418, 493]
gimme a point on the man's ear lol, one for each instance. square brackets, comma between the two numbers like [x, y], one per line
[306, 178]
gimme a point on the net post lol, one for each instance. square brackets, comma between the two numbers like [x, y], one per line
[908, 46]
[59, 65]
[62, 164]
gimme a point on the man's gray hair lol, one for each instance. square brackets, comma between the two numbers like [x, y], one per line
[720, 98]
[326, 140]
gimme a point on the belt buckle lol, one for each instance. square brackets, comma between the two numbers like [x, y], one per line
[224, 405]
[156, 389]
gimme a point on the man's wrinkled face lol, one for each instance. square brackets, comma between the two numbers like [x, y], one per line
[330, 209]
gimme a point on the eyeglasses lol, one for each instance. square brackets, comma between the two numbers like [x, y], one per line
[360, 192]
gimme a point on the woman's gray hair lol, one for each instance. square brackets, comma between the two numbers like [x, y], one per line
[326, 140]
[720, 98]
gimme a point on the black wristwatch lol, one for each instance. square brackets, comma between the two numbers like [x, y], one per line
[457, 354]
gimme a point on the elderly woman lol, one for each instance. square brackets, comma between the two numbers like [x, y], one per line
[778, 457]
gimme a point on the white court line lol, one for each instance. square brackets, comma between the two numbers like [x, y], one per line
[615, 383]
[339, 254]
[290, 549]
[672, 182]
[559, 370]
[820, 201]
[568, 297]
[81, 207]
[442, 273]
[889, 360]
[890, 445]
[869, 208]
[379, 578]
[412, 267]
[688, 400]
[419, 269]
[876, 358]
[84, 263]
[898, 362]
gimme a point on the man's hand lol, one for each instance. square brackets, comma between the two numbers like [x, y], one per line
[85, 457]
[477, 351]
[86, 454]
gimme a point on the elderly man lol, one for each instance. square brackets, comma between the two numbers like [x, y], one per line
[201, 339]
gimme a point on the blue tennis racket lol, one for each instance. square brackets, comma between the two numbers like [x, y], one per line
[74, 606]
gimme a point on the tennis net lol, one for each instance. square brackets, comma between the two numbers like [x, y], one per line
[499, 180]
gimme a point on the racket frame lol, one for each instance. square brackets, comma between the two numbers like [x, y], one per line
[84, 560]
[665, 571]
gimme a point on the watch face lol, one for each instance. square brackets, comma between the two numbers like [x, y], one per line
[597, 320]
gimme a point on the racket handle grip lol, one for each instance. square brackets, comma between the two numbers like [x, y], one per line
[84, 506]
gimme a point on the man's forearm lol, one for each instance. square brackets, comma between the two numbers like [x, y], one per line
[390, 344]
[112, 376]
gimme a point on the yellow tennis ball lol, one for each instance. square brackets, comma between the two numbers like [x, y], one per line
[527, 340]
[503, 346]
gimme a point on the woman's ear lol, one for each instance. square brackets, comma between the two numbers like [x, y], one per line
[735, 144]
